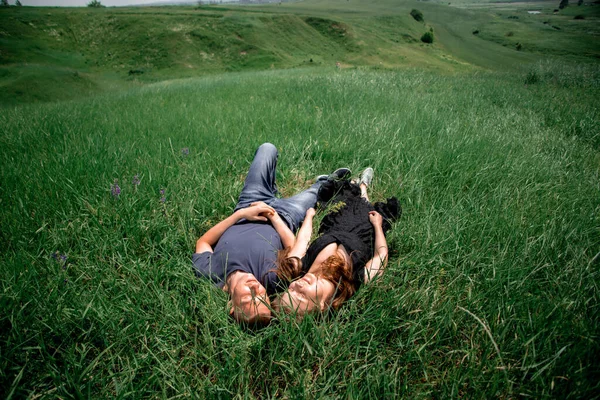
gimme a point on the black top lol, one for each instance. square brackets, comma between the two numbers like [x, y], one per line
[349, 225]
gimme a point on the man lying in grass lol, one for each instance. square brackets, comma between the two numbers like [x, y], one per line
[238, 254]
[350, 250]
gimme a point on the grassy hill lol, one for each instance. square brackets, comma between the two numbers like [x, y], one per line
[492, 289]
[90, 50]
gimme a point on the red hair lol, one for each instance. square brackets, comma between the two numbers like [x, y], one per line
[335, 269]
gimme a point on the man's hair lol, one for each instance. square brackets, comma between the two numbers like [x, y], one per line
[335, 269]
[257, 320]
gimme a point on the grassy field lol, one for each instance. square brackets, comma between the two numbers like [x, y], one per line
[492, 286]
[55, 53]
[490, 292]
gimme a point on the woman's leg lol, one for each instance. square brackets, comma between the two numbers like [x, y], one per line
[363, 192]
[260, 181]
[365, 180]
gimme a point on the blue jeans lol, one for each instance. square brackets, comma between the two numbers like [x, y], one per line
[260, 186]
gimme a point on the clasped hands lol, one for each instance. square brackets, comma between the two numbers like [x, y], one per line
[258, 211]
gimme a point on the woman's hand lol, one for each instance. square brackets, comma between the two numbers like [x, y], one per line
[376, 219]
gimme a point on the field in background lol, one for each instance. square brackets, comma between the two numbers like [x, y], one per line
[494, 153]
[51, 54]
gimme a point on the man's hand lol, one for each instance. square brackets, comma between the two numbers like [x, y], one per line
[258, 211]
[261, 203]
[376, 219]
[310, 213]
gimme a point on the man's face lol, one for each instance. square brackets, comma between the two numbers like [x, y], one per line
[249, 299]
[307, 294]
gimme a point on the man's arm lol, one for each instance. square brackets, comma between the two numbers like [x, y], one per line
[377, 264]
[257, 212]
[304, 234]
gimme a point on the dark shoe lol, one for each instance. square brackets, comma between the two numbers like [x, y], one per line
[340, 174]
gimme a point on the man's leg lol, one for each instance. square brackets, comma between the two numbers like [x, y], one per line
[293, 209]
[260, 181]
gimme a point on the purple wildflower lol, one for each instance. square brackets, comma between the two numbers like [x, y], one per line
[163, 197]
[185, 151]
[136, 180]
[115, 189]
[60, 258]
[230, 161]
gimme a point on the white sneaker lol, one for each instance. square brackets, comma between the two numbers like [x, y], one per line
[367, 176]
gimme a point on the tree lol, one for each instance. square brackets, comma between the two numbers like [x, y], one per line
[580, 2]
[3, 3]
[18, 3]
[95, 4]
[417, 15]
[563, 4]
[427, 37]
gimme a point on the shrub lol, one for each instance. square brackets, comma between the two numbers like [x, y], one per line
[579, 16]
[563, 4]
[509, 34]
[580, 2]
[95, 4]
[4, 3]
[417, 15]
[476, 32]
[519, 46]
[531, 78]
[427, 37]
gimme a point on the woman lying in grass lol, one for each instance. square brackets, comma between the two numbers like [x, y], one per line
[350, 250]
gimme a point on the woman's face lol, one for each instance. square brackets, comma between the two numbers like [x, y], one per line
[307, 294]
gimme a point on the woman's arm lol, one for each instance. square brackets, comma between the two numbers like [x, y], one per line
[256, 212]
[285, 233]
[377, 264]
[304, 234]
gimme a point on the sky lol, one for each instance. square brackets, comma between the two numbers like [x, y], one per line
[81, 3]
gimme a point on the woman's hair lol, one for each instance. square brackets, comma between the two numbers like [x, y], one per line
[334, 269]
[288, 268]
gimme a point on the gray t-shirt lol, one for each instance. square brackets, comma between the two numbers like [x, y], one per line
[246, 246]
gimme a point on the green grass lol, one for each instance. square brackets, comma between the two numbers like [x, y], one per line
[494, 153]
[546, 33]
[499, 184]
